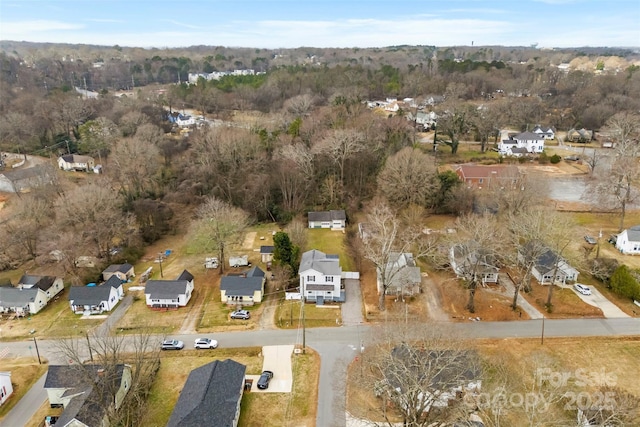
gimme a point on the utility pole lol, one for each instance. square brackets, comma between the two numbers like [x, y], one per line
[89, 346]
[304, 337]
[542, 336]
[37, 351]
[160, 261]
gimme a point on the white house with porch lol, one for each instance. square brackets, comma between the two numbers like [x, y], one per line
[548, 268]
[533, 143]
[165, 294]
[320, 277]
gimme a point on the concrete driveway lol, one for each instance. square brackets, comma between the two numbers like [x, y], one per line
[277, 359]
[596, 299]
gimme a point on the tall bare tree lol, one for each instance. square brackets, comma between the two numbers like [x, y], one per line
[477, 243]
[340, 145]
[408, 177]
[219, 226]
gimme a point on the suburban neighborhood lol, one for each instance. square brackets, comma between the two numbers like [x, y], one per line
[408, 236]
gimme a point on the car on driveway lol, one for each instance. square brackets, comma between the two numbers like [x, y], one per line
[240, 314]
[584, 290]
[263, 381]
[172, 345]
[590, 240]
[203, 343]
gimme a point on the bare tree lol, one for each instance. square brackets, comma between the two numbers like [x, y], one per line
[135, 165]
[219, 226]
[340, 145]
[23, 230]
[386, 237]
[408, 177]
[414, 369]
[476, 245]
[109, 357]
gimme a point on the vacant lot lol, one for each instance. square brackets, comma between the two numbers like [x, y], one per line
[258, 409]
[516, 361]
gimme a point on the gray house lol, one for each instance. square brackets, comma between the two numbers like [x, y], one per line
[211, 396]
[335, 220]
[22, 301]
[50, 285]
[164, 294]
[243, 289]
[96, 299]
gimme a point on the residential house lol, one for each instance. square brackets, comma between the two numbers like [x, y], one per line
[335, 219]
[429, 378]
[50, 285]
[628, 241]
[76, 162]
[96, 299]
[532, 142]
[22, 302]
[6, 388]
[473, 264]
[169, 293]
[545, 132]
[243, 289]
[546, 264]
[266, 253]
[480, 176]
[320, 277]
[24, 179]
[400, 274]
[579, 135]
[86, 392]
[123, 271]
[211, 396]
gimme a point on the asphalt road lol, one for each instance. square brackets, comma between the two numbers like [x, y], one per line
[338, 346]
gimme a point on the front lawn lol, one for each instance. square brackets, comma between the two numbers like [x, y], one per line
[289, 315]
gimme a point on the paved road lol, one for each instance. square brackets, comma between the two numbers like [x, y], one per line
[338, 346]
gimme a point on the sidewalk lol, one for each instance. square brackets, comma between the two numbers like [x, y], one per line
[509, 289]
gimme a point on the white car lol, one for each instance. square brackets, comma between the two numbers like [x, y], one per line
[205, 343]
[584, 290]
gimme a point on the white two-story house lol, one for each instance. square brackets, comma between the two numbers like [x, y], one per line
[525, 142]
[320, 277]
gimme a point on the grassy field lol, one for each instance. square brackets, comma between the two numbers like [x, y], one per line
[330, 242]
[24, 373]
[289, 315]
[517, 361]
[274, 409]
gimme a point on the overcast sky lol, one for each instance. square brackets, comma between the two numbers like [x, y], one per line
[323, 23]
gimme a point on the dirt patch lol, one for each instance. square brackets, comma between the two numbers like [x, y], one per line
[565, 303]
[249, 239]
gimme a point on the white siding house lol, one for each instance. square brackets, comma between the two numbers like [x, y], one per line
[76, 162]
[628, 242]
[515, 145]
[547, 264]
[335, 220]
[96, 299]
[6, 388]
[545, 132]
[320, 276]
[165, 294]
[22, 301]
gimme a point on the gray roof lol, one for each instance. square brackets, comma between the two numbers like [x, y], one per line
[633, 233]
[14, 297]
[118, 268]
[26, 173]
[89, 295]
[89, 405]
[521, 150]
[166, 289]
[402, 269]
[42, 282]
[210, 396]
[241, 285]
[185, 275]
[113, 281]
[266, 249]
[321, 262]
[527, 136]
[337, 215]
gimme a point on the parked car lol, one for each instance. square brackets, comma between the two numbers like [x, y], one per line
[590, 240]
[263, 381]
[172, 345]
[240, 314]
[205, 343]
[584, 290]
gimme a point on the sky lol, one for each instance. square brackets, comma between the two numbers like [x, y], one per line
[323, 23]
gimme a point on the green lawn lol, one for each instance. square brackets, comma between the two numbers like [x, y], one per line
[289, 315]
[330, 242]
[24, 373]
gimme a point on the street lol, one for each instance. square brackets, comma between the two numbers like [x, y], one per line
[337, 347]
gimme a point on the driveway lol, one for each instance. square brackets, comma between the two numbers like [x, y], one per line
[277, 359]
[596, 299]
[352, 306]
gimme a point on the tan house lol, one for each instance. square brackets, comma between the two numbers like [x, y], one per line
[123, 271]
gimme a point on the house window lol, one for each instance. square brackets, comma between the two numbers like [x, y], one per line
[481, 180]
[311, 278]
[329, 278]
[309, 292]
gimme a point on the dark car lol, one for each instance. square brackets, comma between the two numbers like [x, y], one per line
[240, 314]
[263, 382]
[172, 345]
